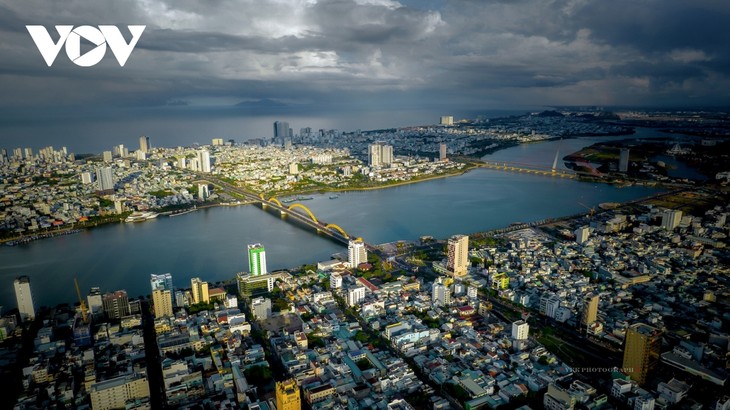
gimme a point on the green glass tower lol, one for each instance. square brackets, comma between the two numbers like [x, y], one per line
[257, 259]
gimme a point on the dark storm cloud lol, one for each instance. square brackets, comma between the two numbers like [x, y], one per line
[307, 55]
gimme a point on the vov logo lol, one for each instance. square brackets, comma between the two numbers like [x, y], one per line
[71, 37]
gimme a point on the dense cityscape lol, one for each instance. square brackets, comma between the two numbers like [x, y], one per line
[622, 306]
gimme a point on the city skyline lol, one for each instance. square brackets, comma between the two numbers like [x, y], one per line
[200, 72]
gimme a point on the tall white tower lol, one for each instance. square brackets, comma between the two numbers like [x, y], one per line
[356, 253]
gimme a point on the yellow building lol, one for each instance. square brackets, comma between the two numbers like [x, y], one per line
[199, 290]
[287, 395]
[500, 281]
[641, 353]
[162, 299]
[458, 255]
[590, 309]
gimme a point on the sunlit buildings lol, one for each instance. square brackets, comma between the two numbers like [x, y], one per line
[257, 259]
[641, 352]
[199, 291]
[458, 255]
[288, 396]
[24, 297]
[116, 304]
[671, 219]
[356, 253]
[380, 154]
[104, 180]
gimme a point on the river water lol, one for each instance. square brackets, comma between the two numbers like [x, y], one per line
[211, 243]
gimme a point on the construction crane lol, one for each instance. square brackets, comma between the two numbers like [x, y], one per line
[84, 313]
[591, 210]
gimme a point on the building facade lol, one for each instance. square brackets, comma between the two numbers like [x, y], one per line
[458, 255]
[356, 253]
[288, 396]
[641, 352]
[199, 291]
[24, 297]
[257, 259]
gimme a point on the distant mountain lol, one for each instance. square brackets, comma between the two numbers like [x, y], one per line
[550, 113]
[263, 103]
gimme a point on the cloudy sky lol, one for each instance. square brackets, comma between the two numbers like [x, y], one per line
[228, 68]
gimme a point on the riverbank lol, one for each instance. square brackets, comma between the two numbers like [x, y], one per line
[469, 167]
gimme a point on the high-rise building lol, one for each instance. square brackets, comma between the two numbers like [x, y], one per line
[24, 297]
[86, 177]
[104, 179]
[217, 142]
[442, 152]
[162, 300]
[107, 156]
[380, 154]
[641, 352]
[257, 259]
[204, 161]
[163, 281]
[590, 309]
[355, 295]
[458, 255]
[623, 161]
[356, 253]
[288, 396]
[203, 192]
[199, 290]
[446, 120]
[116, 304]
[440, 293]
[261, 308]
[281, 130]
[581, 234]
[671, 219]
[94, 300]
[520, 330]
[144, 144]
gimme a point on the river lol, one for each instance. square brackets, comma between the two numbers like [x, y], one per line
[211, 243]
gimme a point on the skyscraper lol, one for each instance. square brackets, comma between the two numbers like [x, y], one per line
[671, 219]
[520, 330]
[163, 281]
[440, 293]
[144, 144]
[623, 162]
[104, 179]
[257, 259]
[281, 130]
[162, 292]
[116, 304]
[24, 296]
[442, 152]
[199, 290]
[204, 160]
[446, 120]
[641, 352]
[590, 309]
[356, 253]
[94, 300]
[581, 234]
[287, 395]
[380, 154]
[162, 300]
[458, 255]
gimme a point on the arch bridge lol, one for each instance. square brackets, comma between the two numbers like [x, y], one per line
[322, 226]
